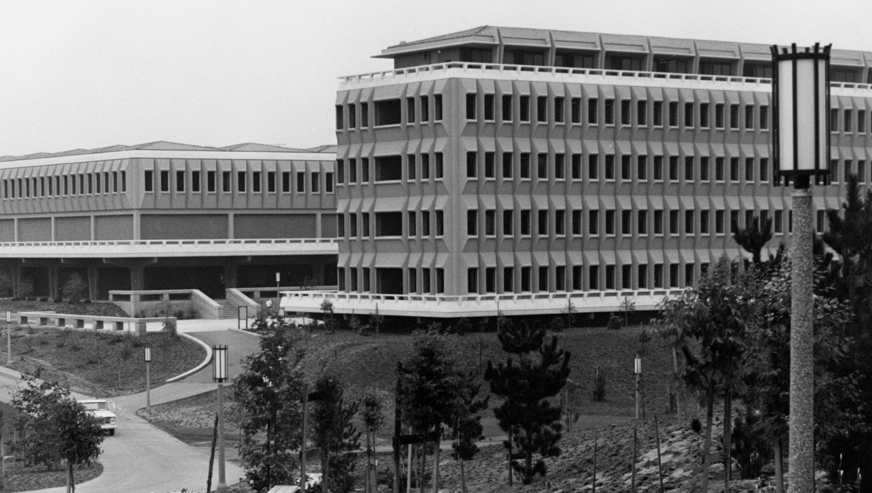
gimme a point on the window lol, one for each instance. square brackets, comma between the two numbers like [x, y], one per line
[658, 168]
[704, 168]
[749, 117]
[560, 222]
[688, 275]
[658, 222]
[749, 169]
[704, 115]
[688, 222]
[525, 279]
[164, 182]
[286, 181]
[610, 223]
[364, 113]
[490, 227]
[508, 222]
[673, 114]
[820, 221]
[328, 182]
[642, 113]
[593, 222]
[425, 280]
[440, 223]
[688, 169]
[642, 270]
[386, 224]
[734, 169]
[542, 109]
[734, 116]
[658, 113]
[610, 167]
[704, 222]
[525, 165]
[861, 121]
[542, 166]
[488, 165]
[688, 115]
[489, 107]
[626, 276]
[425, 117]
[425, 166]
[673, 275]
[316, 182]
[255, 181]
[558, 110]
[352, 116]
[834, 171]
[778, 222]
[440, 165]
[719, 222]
[719, 115]
[525, 223]
[610, 112]
[764, 169]
[507, 164]
[470, 106]
[592, 166]
[576, 166]
[543, 278]
[673, 222]
[410, 118]
[472, 280]
[413, 230]
[438, 109]
[625, 167]
[673, 168]
[642, 222]
[764, 117]
[210, 181]
[626, 223]
[471, 165]
[525, 108]
[543, 222]
[625, 112]
[576, 222]
[848, 121]
[658, 275]
[352, 222]
[592, 111]
[576, 278]
[560, 278]
[352, 172]
[301, 181]
[425, 223]
[149, 182]
[719, 169]
[560, 166]
[642, 168]
[364, 167]
[861, 171]
[411, 166]
[339, 117]
[226, 185]
[413, 280]
[507, 108]
[593, 277]
[610, 277]
[575, 110]
[240, 181]
[790, 221]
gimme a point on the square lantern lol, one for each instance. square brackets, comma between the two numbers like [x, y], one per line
[219, 363]
[800, 114]
[147, 354]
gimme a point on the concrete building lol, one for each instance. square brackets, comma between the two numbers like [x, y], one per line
[519, 169]
[169, 216]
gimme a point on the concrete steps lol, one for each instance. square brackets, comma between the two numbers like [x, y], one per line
[228, 309]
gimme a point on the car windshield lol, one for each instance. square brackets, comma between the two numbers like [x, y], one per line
[95, 406]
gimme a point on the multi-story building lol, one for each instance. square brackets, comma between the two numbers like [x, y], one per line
[169, 216]
[519, 169]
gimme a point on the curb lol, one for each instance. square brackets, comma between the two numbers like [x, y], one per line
[10, 372]
[198, 367]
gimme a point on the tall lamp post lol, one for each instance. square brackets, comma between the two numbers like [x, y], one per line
[219, 374]
[148, 377]
[801, 151]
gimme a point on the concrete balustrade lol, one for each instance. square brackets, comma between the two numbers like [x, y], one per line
[170, 300]
[117, 325]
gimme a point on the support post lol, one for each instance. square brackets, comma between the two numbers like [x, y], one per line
[303, 440]
[222, 481]
[148, 385]
[801, 441]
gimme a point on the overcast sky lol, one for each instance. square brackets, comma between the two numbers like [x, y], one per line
[95, 73]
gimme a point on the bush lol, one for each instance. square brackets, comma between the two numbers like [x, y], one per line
[75, 288]
[179, 314]
[615, 322]
[43, 299]
[58, 300]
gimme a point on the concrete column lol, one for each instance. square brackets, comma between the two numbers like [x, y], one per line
[93, 278]
[15, 277]
[230, 226]
[136, 226]
[137, 277]
[53, 281]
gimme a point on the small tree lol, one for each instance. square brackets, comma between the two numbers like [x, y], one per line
[627, 306]
[569, 312]
[57, 428]
[334, 434]
[754, 236]
[75, 288]
[268, 393]
[372, 414]
[329, 321]
[526, 414]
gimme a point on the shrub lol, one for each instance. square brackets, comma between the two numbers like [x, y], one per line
[75, 288]
[179, 314]
[43, 299]
[557, 324]
[58, 300]
[615, 322]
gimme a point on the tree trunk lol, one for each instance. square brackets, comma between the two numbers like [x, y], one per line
[709, 417]
[462, 477]
[779, 468]
[366, 484]
[71, 481]
[676, 383]
[423, 459]
[268, 452]
[436, 462]
[728, 431]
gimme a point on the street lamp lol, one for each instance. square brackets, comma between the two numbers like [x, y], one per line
[219, 374]
[148, 377]
[801, 151]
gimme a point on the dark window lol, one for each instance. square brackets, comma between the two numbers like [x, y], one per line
[625, 112]
[386, 224]
[558, 110]
[180, 182]
[525, 223]
[610, 167]
[410, 115]
[488, 165]
[240, 181]
[543, 222]
[425, 166]
[592, 166]
[576, 166]
[625, 167]
[438, 110]
[673, 114]
[507, 164]
[542, 109]
[226, 182]
[627, 276]
[642, 222]
[642, 270]
[658, 168]
[440, 166]
[255, 181]
[490, 222]
[164, 182]
[489, 107]
[592, 111]
[476, 55]
[719, 115]
[719, 222]
[328, 182]
[764, 119]
[472, 222]
[365, 232]
[642, 168]
[388, 112]
[149, 182]
[316, 181]
[364, 113]
[425, 116]
[713, 67]
[658, 222]
[560, 166]
[749, 116]
[525, 279]
[472, 280]
[616, 61]
[524, 57]
[388, 168]
[734, 169]
[704, 222]
[673, 168]
[626, 222]
[508, 222]
[412, 223]
[542, 166]
[658, 113]
[673, 222]
[610, 277]
[425, 223]
[195, 181]
[757, 70]
[339, 117]
[471, 165]
[525, 108]
[734, 116]
[470, 106]
[688, 222]
[704, 168]
[703, 115]
[764, 170]
[543, 278]
[749, 169]
[525, 165]
[593, 277]
[560, 222]
[688, 114]
[412, 165]
[575, 110]
[301, 181]
[610, 222]
[688, 275]
[210, 181]
[574, 60]
[861, 120]
[641, 113]
[352, 116]
[672, 65]
[271, 180]
[610, 112]
[507, 108]
[848, 121]
[286, 181]
[719, 169]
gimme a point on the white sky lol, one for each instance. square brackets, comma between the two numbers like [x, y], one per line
[97, 73]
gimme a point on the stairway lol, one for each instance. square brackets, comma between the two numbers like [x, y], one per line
[228, 309]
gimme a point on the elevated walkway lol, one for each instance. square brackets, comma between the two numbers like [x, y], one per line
[168, 248]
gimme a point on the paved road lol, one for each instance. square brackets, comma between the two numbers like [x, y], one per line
[142, 458]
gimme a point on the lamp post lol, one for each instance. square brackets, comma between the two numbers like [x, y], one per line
[8, 337]
[219, 374]
[801, 151]
[148, 378]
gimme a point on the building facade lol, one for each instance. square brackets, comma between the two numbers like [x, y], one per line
[519, 170]
[169, 216]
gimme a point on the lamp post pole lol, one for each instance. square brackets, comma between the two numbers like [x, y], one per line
[219, 374]
[801, 148]
[8, 338]
[148, 378]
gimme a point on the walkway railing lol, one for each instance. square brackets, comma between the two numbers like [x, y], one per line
[198, 247]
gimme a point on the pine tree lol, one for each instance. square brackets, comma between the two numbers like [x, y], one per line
[334, 434]
[533, 373]
[754, 236]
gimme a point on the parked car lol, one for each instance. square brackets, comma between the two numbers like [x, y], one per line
[99, 408]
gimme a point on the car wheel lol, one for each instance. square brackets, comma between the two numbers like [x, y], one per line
[111, 433]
